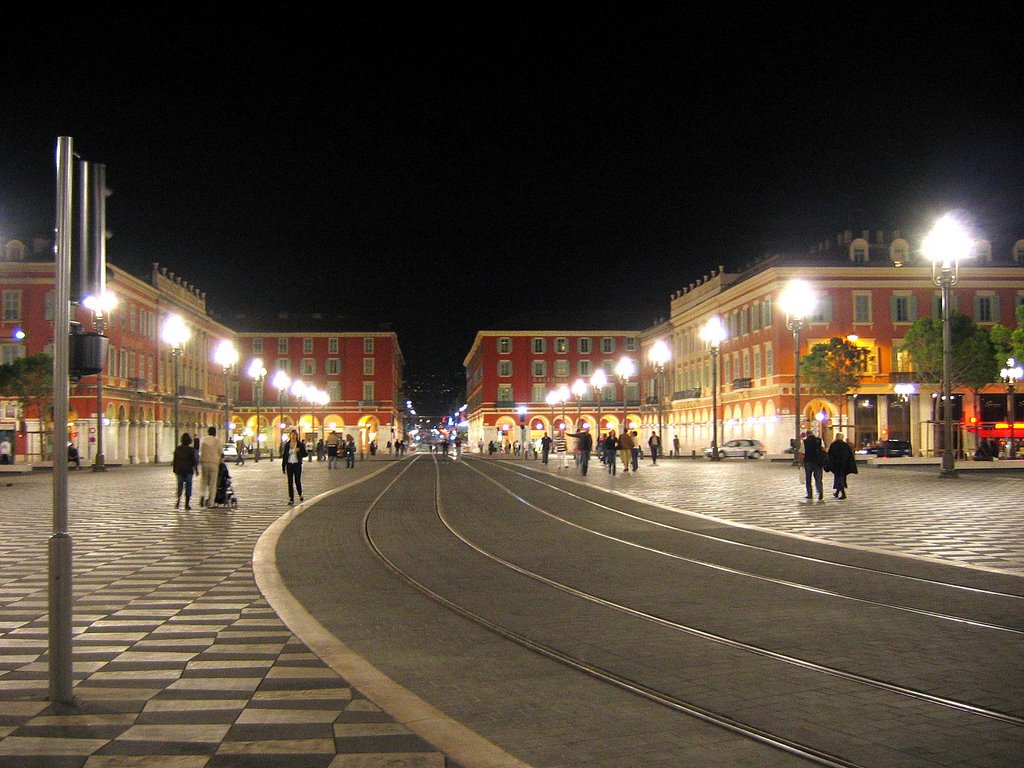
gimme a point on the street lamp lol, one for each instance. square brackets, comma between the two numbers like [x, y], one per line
[298, 390]
[281, 381]
[713, 333]
[322, 398]
[624, 369]
[579, 389]
[226, 356]
[257, 373]
[599, 381]
[100, 306]
[658, 355]
[945, 245]
[176, 333]
[797, 301]
[1011, 374]
[522, 429]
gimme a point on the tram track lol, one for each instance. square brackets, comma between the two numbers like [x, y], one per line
[650, 691]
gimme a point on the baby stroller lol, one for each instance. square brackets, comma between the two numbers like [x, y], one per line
[225, 492]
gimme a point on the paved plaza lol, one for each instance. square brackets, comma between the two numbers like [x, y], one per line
[180, 662]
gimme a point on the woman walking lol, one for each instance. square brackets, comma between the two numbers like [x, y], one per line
[843, 463]
[292, 455]
[184, 466]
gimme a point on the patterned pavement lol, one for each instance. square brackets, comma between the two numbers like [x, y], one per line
[179, 661]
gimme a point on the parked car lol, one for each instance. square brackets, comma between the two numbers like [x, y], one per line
[888, 448]
[230, 451]
[740, 448]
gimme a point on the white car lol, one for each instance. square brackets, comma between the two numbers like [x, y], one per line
[230, 451]
[742, 448]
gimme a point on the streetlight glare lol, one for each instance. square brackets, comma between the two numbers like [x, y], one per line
[659, 353]
[798, 300]
[948, 242]
[225, 355]
[175, 332]
[256, 369]
[281, 380]
[713, 331]
[103, 304]
[625, 368]
[599, 379]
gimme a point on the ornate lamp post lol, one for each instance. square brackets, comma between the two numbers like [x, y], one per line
[944, 246]
[713, 333]
[659, 354]
[100, 306]
[226, 356]
[522, 429]
[257, 373]
[599, 380]
[176, 334]
[1011, 374]
[298, 390]
[797, 301]
[281, 382]
[322, 399]
[624, 369]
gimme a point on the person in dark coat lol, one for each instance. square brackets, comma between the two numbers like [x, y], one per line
[813, 462]
[185, 465]
[843, 463]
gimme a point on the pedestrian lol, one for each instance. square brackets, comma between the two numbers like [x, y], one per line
[292, 454]
[457, 442]
[842, 463]
[675, 445]
[610, 444]
[350, 452]
[73, 456]
[5, 451]
[625, 449]
[184, 466]
[635, 451]
[545, 448]
[654, 443]
[561, 447]
[210, 456]
[585, 442]
[813, 461]
[332, 450]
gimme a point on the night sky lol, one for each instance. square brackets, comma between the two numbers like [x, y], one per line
[445, 168]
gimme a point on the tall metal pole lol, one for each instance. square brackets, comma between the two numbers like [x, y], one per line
[227, 404]
[797, 325]
[948, 459]
[99, 235]
[60, 542]
[259, 397]
[176, 354]
[714, 403]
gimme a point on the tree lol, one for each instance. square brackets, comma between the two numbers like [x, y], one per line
[833, 368]
[1008, 342]
[971, 354]
[30, 380]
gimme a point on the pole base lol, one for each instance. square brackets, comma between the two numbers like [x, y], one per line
[949, 473]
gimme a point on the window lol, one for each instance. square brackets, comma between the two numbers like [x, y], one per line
[504, 367]
[504, 346]
[561, 368]
[48, 306]
[504, 393]
[367, 366]
[332, 345]
[766, 313]
[727, 374]
[257, 346]
[561, 345]
[823, 309]
[282, 346]
[539, 346]
[583, 345]
[368, 391]
[757, 362]
[744, 321]
[769, 361]
[334, 391]
[986, 308]
[539, 393]
[283, 364]
[755, 317]
[583, 368]
[368, 347]
[540, 368]
[630, 344]
[11, 352]
[746, 363]
[862, 307]
[12, 305]
[308, 366]
[901, 362]
[333, 366]
[607, 345]
[904, 309]
[307, 346]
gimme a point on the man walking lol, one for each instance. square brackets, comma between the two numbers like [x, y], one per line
[209, 462]
[654, 443]
[625, 449]
[586, 444]
[545, 448]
